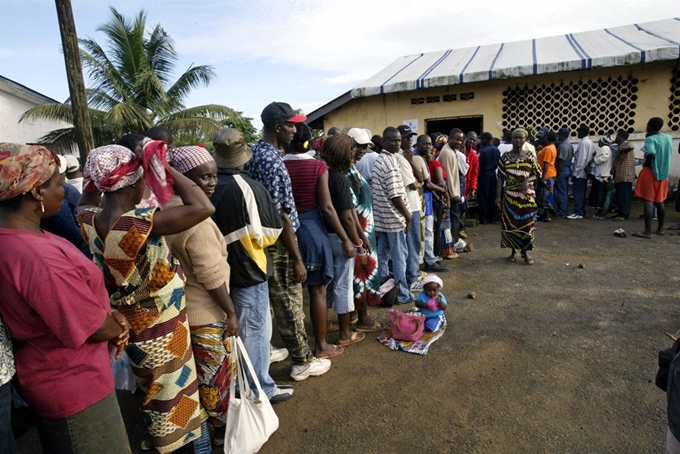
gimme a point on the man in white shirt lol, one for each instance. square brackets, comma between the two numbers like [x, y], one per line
[582, 156]
[74, 173]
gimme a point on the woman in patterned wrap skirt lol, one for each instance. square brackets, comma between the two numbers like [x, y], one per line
[145, 281]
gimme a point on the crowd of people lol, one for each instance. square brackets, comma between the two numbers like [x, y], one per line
[166, 252]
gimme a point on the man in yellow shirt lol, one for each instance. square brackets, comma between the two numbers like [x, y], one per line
[546, 161]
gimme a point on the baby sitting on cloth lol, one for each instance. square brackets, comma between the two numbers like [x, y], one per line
[431, 303]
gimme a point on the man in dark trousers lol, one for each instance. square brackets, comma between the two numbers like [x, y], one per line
[489, 156]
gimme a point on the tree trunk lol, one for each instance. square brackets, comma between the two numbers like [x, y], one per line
[74, 73]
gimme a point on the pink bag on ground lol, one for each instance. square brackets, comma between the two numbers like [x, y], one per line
[407, 327]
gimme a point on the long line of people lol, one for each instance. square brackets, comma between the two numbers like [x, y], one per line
[186, 248]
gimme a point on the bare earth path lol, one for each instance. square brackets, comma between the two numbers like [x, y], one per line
[548, 358]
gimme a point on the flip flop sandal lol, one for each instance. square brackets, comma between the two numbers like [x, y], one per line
[354, 338]
[512, 258]
[147, 445]
[660, 233]
[528, 260]
[337, 351]
[642, 235]
[332, 327]
[376, 328]
[354, 321]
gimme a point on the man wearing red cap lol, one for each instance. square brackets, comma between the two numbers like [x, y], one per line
[285, 289]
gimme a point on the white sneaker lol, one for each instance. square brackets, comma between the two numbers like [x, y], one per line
[277, 354]
[282, 394]
[574, 216]
[415, 287]
[318, 366]
[459, 246]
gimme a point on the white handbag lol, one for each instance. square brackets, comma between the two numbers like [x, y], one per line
[250, 419]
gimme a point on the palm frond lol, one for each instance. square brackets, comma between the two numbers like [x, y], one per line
[126, 48]
[50, 112]
[61, 141]
[194, 77]
[161, 54]
[130, 117]
[215, 112]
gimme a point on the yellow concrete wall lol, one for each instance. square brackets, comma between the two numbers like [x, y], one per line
[377, 112]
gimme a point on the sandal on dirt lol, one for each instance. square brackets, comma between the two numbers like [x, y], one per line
[332, 327]
[354, 321]
[528, 260]
[642, 235]
[660, 232]
[337, 351]
[512, 257]
[354, 338]
[147, 445]
[376, 328]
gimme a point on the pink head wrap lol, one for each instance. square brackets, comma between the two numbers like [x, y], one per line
[186, 158]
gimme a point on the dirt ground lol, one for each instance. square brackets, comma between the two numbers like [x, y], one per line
[557, 357]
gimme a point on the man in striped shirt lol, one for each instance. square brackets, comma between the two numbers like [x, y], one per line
[391, 213]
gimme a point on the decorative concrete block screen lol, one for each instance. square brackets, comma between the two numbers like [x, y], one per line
[674, 107]
[605, 105]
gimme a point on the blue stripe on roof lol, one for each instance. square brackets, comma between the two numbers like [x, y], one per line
[493, 63]
[578, 52]
[585, 54]
[533, 53]
[657, 35]
[643, 54]
[460, 77]
[382, 87]
[420, 81]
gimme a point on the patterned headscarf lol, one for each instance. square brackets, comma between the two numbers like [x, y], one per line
[110, 168]
[186, 158]
[23, 167]
[113, 167]
[521, 132]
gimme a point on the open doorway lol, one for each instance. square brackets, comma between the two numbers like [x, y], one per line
[445, 125]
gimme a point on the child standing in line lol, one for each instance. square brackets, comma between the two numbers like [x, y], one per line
[431, 302]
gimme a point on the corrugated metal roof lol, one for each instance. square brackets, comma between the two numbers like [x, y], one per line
[618, 46]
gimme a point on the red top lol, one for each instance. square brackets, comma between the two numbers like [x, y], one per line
[53, 299]
[431, 165]
[304, 177]
[472, 173]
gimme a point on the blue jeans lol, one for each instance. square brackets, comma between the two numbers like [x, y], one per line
[430, 258]
[6, 437]
[255, 320]
[413, 245]
[393, 245]
[580, 188]
[562, 191]
[340, 292]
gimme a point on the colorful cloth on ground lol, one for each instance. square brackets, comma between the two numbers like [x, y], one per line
[150, 293]
[518, 207]
[185, 159]
[419, 347]
[23, 167]
[267, 167]
[366, 277]
[214, 366]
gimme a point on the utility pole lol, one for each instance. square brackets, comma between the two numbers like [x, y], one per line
[74, 73]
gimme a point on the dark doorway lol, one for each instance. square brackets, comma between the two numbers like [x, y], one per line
[445, 125]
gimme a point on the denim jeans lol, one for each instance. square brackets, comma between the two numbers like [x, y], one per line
[413, 245]
[393, 245]
[562, 191]
[340, 292]
[430, 258]
[255, 321]
[6, 437]
[97, 429]
[624, 199]
[580, 189]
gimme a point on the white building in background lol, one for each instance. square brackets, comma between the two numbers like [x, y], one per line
[15, 99]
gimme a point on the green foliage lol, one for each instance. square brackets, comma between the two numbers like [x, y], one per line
[131, 88]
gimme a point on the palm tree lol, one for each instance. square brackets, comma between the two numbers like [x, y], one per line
[132, 89]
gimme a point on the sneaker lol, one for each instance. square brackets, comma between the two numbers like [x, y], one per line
[415, 287]
[459, 246]
[277, 354]
[619, 218]
[435, 267]
[314, 368]
[574, 216]
[282, 394]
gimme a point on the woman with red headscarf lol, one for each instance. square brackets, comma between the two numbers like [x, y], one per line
[55, 305]
[146, 282]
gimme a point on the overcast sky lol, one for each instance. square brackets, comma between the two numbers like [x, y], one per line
[305, 52]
